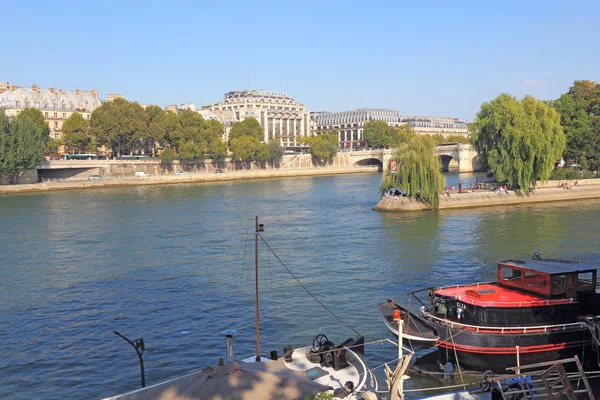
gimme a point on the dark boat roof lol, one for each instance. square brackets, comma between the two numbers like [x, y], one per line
[551, 267]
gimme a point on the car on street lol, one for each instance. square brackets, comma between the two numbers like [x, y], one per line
[141, 174]
[219, 171]
[180, 173]
[95, 178]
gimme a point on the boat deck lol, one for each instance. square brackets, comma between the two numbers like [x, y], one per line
[493, 295]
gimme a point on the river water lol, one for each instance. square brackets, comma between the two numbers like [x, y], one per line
[174, 265]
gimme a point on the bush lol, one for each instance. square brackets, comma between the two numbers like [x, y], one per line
[565, 173]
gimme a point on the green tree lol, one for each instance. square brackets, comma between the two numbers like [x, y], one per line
[52, 146]
[190, 151]
[193, 126]
[275, 151]
[157, 127]
[377, 134]
[38, 119]
[417, 170]
[174, 131]
[23, 145]
[246, 148]
[247, 127]
[4, 135]
[217, 149]
[520, 141]
[323, 147]
[167, 156]
[75, 133]
[119, 124]
[578, 108]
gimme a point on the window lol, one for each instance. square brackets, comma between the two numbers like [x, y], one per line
[512, 275]
[64, 115]
[55, 115]
[46, 114]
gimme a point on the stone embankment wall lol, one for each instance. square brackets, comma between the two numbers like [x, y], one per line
[188, 178]
[547, 191]
[19, 178]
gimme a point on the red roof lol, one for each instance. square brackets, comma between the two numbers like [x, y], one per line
[492, 295]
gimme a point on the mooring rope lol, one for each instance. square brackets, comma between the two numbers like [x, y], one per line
[305, 288]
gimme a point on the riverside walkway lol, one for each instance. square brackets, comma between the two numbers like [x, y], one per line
[546, 192]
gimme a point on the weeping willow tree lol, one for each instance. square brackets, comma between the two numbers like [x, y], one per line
[417, 171]
[520, 141]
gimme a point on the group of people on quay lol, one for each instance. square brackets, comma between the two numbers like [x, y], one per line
[566, 185]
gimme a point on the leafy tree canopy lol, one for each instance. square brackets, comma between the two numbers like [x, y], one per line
[22, 148]
[520, 141]
[75, 132]
[188, 150]
[417, 170]
[167, 155]
[217, 149]
[248, 148]
[119, 124]
[38, 118]
[247, 127]
[275, 151]
[323, 147]
[579, 110]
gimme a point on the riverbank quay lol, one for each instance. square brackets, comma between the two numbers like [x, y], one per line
[546, 192]
[187, 178]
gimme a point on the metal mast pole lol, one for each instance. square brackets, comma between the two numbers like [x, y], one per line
[256, 280]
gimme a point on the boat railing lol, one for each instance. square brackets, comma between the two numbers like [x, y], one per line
[424, 313]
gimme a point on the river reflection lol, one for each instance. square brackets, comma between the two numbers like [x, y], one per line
[174, 264]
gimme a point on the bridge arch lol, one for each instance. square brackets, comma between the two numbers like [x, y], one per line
[448, 162]
[369, 162]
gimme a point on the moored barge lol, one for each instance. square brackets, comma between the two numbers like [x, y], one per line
[539, 310]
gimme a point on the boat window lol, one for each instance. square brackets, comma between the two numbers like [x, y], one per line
[509, 274]
[533, 279]
[585, 281]
[558, 282]
[440, 308]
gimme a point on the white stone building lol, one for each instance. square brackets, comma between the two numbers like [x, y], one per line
[350, 124]
[55, 105]
[437, 126]
[281, 117]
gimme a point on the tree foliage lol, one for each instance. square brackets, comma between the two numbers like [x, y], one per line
[417, 170]
[167, 156]
[191, 151]
[53, 145]
[75, 133]
[38, 119]
[579, 110]
[248, 148]
[247, 127]
[323, 147]
[22, 142]
[275, 151]
[378, 134]
[119, 124]
[520, 141]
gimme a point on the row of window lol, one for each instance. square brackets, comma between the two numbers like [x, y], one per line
[45, 106]
[64, 115]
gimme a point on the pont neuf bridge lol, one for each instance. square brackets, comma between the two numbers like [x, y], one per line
[456, 157]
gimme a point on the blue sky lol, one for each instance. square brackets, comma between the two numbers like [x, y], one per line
[420, 57]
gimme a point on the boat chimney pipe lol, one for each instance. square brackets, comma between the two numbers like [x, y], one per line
[229, 343]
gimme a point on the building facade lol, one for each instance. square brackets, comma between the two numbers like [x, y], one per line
[281, 117]
[55, 105]
[350, 124]
[437, 126]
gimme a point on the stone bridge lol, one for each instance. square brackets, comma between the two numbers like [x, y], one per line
[457, 157]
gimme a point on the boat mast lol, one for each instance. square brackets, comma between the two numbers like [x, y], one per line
[256, 230]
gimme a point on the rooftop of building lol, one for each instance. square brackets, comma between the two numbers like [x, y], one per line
[48, 99]
[436, 120]
[256, 93]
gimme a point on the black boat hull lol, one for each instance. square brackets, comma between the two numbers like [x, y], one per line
[486, 350]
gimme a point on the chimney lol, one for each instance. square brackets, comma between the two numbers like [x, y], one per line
[78, 92]
[95, 93]
[52, 90]
[35, 88]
